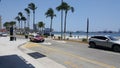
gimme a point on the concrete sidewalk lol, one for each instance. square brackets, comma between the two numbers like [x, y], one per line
[14, 56]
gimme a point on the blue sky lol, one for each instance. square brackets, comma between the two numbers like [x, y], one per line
[103, 14]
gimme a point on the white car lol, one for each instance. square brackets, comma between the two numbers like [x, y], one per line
[105, 41]
[4, 34]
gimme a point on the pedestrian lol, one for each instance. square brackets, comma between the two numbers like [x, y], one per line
[11, 33]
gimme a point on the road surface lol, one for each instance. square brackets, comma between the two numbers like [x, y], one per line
[78, 55]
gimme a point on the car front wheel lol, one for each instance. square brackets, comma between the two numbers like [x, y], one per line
[92, 45]
[116, 48]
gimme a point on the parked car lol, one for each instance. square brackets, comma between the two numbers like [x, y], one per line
[3, 34]
[36, 38]
[0, 33]
[105, 41]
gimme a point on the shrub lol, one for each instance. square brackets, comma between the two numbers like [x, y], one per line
[59, 37]
[84, 40]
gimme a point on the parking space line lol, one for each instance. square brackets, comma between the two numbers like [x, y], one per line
[30, 44]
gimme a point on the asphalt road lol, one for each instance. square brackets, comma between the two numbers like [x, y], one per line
[78, 55]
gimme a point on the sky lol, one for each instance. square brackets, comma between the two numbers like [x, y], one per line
[102, 14]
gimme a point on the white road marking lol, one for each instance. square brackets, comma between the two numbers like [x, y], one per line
[46, 43]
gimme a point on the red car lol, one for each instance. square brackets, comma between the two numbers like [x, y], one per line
[37, 38]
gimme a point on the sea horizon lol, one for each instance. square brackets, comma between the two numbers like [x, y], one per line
[115, 34]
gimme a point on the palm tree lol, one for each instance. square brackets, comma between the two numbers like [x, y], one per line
[20, 14]
[12, 23]
[50, 13]
[18, 19]
[28, 17]
[66, 11]
[60, 8]
[41, 25]
[33, 8]
[65, 7]
[24, 19]
[6, 25]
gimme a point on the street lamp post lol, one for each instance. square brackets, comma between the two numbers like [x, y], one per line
[87, 27]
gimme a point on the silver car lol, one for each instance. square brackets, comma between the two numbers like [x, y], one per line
[105, 41]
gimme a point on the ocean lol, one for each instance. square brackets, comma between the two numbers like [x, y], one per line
[90, 34]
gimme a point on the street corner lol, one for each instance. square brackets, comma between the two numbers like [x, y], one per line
[30, 45]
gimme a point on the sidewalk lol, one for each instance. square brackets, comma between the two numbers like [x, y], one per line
[13, 57]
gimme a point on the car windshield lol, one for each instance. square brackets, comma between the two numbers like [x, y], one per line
[37, 36]
[112, 38]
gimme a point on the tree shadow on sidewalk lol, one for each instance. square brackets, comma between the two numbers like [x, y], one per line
[14, 61]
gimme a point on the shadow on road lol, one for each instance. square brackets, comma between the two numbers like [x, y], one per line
[14, 61]
[105, 49]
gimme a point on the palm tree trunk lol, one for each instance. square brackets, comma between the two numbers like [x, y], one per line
[25, 25]
[19, 25]
[51, 28]
[34, 20]
[42, 31]
[61, 22]
[65, 25]
[28, 20]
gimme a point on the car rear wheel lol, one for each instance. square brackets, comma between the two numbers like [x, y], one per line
[92, 45]
[116, 48]
[42, 40]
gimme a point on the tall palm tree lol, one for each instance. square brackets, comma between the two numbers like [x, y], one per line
[68, 7]
[50, 13]
[33, 7]
[28, 17]
[65, 7]
[24, 19]
[20, 14]
[41, 25]
[60, 8]
[18, 19]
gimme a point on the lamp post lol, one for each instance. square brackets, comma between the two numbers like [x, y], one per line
[87, 27]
